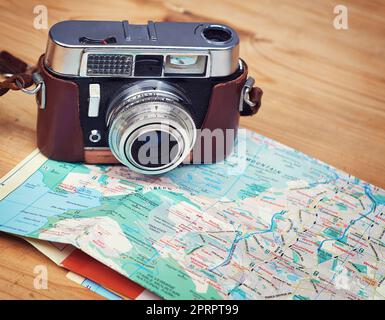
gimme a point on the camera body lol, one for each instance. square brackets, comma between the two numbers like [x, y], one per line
[106, 84]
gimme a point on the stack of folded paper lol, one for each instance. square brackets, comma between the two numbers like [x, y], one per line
[91, 273]
[269, 222]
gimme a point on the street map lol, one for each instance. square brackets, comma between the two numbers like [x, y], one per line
[268, 223]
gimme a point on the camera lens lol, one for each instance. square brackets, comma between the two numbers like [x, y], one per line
[216, 34]
[150, 128]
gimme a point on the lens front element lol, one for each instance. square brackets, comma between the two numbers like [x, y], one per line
[150, 128]
[153, 149]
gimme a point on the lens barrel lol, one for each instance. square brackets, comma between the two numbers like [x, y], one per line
[150, 128]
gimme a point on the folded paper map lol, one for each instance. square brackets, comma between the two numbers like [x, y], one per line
[268, 223]
[92, 271]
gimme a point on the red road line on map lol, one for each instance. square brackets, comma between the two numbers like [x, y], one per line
[357, 241]
[272, 203]
[344, 251]
[304, 194]
[346, 201]
[370, 265]
[302, 249]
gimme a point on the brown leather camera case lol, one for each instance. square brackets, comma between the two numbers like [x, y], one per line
[60, 136]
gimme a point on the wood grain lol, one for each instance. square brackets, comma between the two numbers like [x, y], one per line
[17, 265]
[324, 88]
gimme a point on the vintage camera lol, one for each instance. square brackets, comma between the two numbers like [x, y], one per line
[108, 86]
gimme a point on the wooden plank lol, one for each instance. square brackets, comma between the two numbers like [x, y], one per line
[324, 88]
[17, 274]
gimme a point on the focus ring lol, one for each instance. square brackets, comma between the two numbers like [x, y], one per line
[133, 116]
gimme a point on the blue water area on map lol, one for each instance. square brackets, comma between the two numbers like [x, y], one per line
[103, 179]
[27, 208]
[369, 194]
[238, 294]
[239, 237]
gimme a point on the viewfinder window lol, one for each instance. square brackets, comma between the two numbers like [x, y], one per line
[192, 65]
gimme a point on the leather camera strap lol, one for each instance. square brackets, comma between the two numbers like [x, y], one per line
[17, 73]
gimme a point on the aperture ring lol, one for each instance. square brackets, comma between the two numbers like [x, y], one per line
[143, 112]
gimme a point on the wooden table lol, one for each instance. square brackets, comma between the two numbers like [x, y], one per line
[324, 90]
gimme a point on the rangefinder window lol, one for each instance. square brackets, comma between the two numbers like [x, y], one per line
[191, 65]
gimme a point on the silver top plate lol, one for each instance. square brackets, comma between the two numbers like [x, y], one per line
[70, 44]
